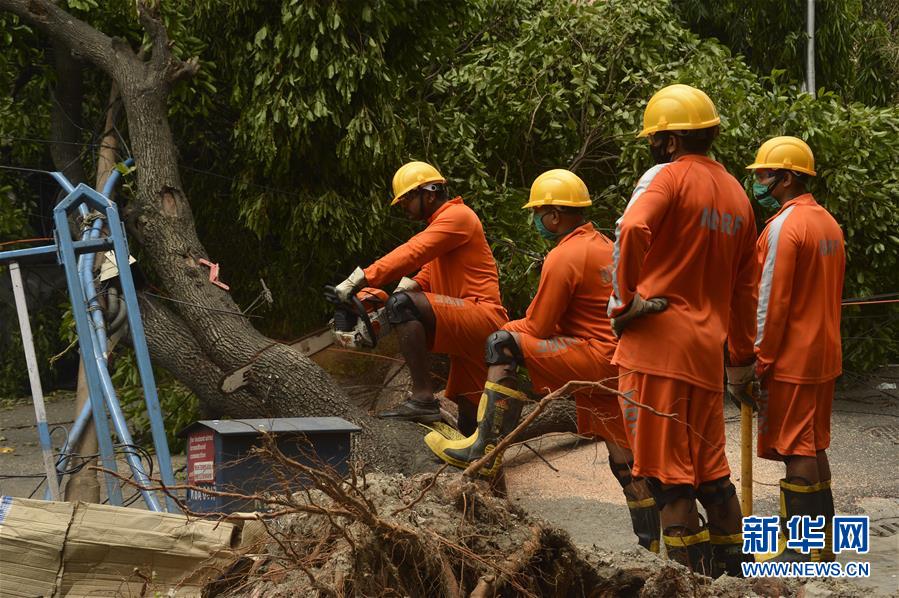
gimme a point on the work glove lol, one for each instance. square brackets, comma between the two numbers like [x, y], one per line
[743, 386]
[639, 306]
[347, 289]
[407, 284]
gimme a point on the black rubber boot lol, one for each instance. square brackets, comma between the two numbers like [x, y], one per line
[646, 524]
[693, 551]
[795, 499]
[727, 555]
[825, 497]
[644, 512]
[414, 411]
[498, 415]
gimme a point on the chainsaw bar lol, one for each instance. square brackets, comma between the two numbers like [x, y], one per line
[308, 345]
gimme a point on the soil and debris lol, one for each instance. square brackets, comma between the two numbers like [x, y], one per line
[422, 536]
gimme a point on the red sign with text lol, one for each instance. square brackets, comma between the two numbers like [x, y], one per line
[201, 457]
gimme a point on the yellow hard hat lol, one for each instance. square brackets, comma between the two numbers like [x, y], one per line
[412, 175]
[558, 187]
[678, 108]
[785, 153]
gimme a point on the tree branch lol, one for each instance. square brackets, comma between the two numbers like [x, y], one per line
[162, 59]
[80, 37]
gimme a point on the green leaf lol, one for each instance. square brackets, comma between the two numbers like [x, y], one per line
[261, 35]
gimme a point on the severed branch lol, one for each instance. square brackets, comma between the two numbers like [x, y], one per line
[288, 507]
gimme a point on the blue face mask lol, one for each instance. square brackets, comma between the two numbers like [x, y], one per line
[763, 195]
[541, 228]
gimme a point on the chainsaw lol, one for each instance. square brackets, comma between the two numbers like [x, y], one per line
[359, 323]
[356, 324]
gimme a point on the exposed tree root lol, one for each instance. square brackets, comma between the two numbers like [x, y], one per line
[432, 535]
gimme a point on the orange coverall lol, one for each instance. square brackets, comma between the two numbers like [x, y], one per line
[687, 234]
[566, 334]
[458, 275]
[802, 262]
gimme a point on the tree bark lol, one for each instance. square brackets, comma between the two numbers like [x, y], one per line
[66, 120]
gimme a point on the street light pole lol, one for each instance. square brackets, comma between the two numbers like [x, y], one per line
[810, 47]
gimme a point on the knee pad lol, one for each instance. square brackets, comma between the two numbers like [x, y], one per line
[664, 496]
[622, 472]
[495, 353]
[401, 308]
[715, 493]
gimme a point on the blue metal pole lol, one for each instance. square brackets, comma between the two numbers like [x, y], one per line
[121, 428]
[86, 344]
[139, 342]
[75, 433]
[63, 181]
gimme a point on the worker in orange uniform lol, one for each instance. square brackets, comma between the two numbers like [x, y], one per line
[799, 356]
[684, 281]
[565, 335]
[450, 306]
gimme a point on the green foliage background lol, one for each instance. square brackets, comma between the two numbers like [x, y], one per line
[303, 109]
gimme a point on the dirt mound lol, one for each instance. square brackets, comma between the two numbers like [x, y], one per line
[443, 536]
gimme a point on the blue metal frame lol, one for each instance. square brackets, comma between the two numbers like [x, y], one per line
[91, 331]
[86, 343]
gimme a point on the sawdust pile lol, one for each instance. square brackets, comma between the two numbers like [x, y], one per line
[445, 536]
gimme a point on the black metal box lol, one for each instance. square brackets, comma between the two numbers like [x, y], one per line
[218, 456]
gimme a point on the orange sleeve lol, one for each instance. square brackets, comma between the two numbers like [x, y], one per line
[778, 264]
[441, 236]
[423, 278]
[742, 327]
[558, 280]
[644, 213]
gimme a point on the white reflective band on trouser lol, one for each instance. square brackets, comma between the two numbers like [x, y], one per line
[768, 273]
[642, 185]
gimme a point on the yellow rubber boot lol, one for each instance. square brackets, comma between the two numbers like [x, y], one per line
[498, 414]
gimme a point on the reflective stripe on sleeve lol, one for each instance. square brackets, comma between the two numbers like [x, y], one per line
[642, 186]
[768, 273]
